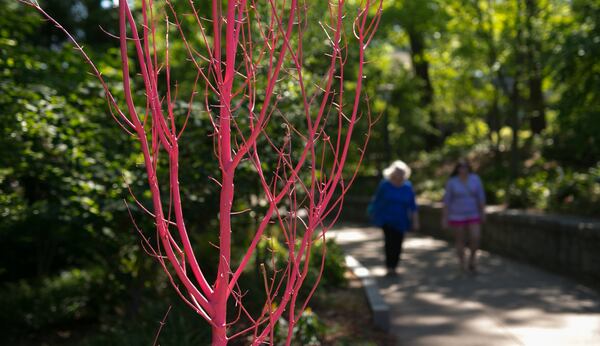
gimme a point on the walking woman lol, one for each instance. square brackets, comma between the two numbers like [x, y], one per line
[394, 209]
[464, 212]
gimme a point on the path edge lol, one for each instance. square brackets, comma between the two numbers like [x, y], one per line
[378, 306]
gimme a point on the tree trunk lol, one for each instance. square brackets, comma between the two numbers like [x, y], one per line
[493, 120]
[515, 126]
[515, 98]
[494, 117]
[537, 120]
[219, 336]
[421, 66]
[537, 111]
[387, 145]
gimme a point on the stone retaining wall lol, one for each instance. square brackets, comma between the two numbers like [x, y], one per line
[563, 244]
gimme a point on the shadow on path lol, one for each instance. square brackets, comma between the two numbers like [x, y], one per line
[508, 303]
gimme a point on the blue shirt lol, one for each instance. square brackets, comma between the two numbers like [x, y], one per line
[393, 206]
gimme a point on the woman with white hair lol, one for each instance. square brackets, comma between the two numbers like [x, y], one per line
[394, 209]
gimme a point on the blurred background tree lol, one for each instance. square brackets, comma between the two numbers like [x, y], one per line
[509, 84]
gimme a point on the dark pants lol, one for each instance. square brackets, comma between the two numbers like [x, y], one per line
[393, 246]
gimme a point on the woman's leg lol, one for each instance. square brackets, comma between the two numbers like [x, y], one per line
[459, 242]
[388, 234]
[400, 242]
[393, 247]
[397, 239]
[474, 239]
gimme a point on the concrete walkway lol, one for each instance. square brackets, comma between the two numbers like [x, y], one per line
[508, 303]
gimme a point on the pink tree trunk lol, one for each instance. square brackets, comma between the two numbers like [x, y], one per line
[262, 43]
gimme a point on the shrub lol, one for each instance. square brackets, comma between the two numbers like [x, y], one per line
[334, 267]
[52, 301]
[309, 330]
[272, 253]
[530, 192]
[577, 192]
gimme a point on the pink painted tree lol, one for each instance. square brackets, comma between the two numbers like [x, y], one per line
[244, 55]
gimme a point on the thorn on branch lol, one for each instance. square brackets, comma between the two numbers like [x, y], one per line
[162, 324]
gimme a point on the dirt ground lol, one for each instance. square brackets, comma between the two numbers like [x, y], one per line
[348, 319]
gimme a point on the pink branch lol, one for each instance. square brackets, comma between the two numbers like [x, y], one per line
[252, 43]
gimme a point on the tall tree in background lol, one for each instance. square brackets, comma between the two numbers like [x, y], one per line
[419, 19]
[537, 105]
[577, 80]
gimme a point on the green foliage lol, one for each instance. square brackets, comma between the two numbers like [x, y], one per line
[334, 266]
[577, 192]
[68, 249]
[83, 18]
[96, 308]
[577, 69]
[475, 134]
[63, 171]
[274, 255]
[309, 330]
[485, 60]
[181, 327]
[557, 189]
[529, 192]
[66, 298]
[69, 254]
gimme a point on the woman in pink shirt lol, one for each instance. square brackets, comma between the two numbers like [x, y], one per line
[464, 211]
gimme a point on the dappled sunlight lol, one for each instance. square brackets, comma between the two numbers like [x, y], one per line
[560, 329]
[159, 153]
[424, 243]
[508, 303]
[348, 235]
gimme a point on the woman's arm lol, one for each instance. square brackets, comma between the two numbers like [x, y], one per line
[481, 198]
[416, 224]
[414, 212]
[374, 207]
[444, 223]
[446, 201]
[376, 199]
